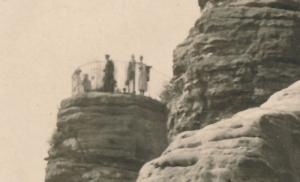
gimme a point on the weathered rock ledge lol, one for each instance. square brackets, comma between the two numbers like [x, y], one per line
[236, 56]
[105, 137]
[260, 144]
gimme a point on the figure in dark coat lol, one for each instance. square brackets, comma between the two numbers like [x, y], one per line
[109, 82]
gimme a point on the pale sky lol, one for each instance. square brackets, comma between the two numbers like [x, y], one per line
[43, 41]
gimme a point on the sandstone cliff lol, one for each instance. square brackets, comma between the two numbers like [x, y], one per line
[104, 137]
[260, 144]
[221, 125]
[238, 53]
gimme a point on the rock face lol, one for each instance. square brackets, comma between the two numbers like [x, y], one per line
[284, 4]
[103, 137]
[233, 59]
[261, 144]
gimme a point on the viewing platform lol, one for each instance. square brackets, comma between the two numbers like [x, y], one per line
[118, 77]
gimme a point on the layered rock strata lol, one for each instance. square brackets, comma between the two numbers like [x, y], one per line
[260, 144]
[238, 53]
[104, 137]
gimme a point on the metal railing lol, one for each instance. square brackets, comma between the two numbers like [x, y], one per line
[90, 77]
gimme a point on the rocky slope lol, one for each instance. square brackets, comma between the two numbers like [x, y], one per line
[260, 144]
[233, 59]
[103, 137]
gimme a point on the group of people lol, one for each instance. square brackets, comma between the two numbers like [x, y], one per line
[143, 79]
[79, 85]
[109, 84]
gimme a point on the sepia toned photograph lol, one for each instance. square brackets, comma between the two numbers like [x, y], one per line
[150, 91]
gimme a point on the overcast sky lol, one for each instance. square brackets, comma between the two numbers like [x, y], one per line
[43, 41]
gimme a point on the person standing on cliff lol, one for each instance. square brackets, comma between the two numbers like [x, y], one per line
[86, 83]
[130, 81]
[109, 82]
[144, 76]
[77, 87]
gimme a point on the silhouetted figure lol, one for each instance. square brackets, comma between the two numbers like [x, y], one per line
[130, 81]
[109, 82]
[86, 83]
[144, 76]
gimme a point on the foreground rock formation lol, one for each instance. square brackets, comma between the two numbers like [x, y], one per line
[104, 137]
[221, 125]
[260, 144]
[238, 53]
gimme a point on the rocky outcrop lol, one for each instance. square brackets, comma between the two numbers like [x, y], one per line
[221, 125]
[283, 4]
[105, 137]
[260, 144]
[233, 59]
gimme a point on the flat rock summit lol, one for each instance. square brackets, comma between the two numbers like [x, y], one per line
[231, 112]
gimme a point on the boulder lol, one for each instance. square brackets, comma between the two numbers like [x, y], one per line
[260, 144]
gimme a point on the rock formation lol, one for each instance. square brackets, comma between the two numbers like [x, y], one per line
[260, 144]
[238, 53]
[223, 125]
[104, 137]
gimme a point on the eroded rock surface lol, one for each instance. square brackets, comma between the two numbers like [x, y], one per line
[104, 137]
[284, 4]
[261, 144]
[238, 53]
